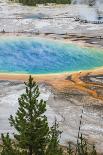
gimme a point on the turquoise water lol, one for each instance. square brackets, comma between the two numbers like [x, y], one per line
[37, 56]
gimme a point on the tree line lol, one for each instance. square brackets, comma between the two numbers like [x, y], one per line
[33, 136]
[34, 2]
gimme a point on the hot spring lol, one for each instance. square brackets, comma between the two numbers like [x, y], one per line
[39, 56]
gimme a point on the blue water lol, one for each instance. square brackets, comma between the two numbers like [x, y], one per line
[37, 56]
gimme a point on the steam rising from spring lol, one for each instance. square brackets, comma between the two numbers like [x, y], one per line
[90, 10]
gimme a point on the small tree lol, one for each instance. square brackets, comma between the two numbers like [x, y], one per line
[93, 151]
[69, 149]
[54, 146]
[9, 147]
[30, 122]
[82, 146]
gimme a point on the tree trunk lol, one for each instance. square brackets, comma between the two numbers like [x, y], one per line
[30, 150]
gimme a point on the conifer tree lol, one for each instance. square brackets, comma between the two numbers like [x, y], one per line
[54, 146]
[82, 146]
[30, 122]
[93, 151]
[69, 149]
[34, 2]
[9, 147]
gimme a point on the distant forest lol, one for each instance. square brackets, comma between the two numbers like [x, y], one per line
[34, 2]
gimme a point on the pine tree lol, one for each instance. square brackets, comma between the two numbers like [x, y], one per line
[70, 149]
[34, 2]
[82, 146]
[9, 147]
[30, 122]
[54, 147]
[93, 151]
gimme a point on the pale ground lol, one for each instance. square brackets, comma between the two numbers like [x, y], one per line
[45, 19]
[66, 97]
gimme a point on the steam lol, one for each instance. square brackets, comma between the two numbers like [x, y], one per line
[90, 10]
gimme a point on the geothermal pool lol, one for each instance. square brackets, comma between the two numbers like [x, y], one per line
[39, 56]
